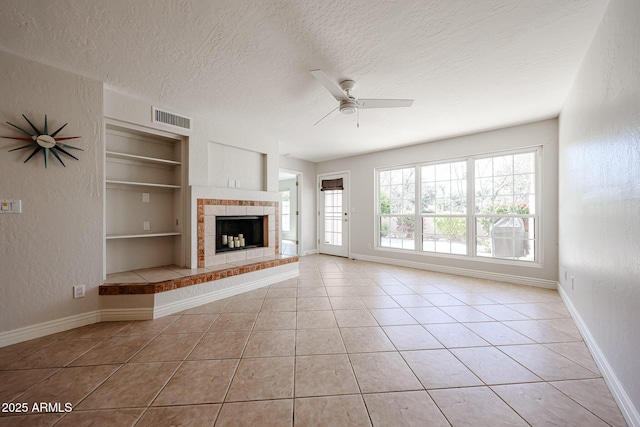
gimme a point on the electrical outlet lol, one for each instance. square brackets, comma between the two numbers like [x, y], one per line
[146, 226]
[145, 197]
[78, 291]
[369, 246]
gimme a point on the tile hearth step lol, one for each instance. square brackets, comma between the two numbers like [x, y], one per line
[181, 277]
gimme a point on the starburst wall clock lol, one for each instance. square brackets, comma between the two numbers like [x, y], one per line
[44, 141]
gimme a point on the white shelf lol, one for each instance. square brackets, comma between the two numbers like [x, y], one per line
[117, 155]
[142, 184]
[137, 236]
[138, 161]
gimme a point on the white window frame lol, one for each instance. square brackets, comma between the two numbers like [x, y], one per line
[471, 215]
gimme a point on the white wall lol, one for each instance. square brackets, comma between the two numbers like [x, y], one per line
[205, 177]
[599, 190]
[56, 243]
[362, 168]
[245, 168]
[308, 202]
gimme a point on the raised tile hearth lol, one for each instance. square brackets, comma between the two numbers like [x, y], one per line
[163, 279]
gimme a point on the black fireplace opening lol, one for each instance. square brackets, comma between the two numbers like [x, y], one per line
[250, 227]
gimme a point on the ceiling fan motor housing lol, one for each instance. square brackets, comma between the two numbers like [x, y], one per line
[348, 106]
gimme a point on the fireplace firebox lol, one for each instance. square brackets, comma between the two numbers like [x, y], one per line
[251, 228]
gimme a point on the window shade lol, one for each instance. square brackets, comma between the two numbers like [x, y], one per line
[332, 184]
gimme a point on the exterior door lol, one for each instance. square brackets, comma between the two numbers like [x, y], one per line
[333, 229]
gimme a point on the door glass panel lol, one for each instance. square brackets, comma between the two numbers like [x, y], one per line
[333, 217]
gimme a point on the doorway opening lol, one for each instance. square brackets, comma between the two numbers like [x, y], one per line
[290, 208]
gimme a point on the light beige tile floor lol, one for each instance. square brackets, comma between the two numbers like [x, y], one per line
[347, 343]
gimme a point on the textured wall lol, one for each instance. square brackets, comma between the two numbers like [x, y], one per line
[56, 243]
[362, 168]
[600, 192]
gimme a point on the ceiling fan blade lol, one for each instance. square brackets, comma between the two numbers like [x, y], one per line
[384, 103]
[330, 112]
[329, 84]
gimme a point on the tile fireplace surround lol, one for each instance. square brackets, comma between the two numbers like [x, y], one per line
[212, 266]
[208, 209]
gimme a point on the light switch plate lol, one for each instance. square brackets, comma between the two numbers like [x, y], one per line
[10, 206]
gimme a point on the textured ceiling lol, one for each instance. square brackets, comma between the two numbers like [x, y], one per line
[244, 65]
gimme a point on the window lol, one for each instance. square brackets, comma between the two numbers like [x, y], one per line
[505, 206]
[479, 206]
[286, 210]
[444, 207]
[397, 195]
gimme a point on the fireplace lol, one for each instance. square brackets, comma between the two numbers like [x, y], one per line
[210, 249]
[247, 229]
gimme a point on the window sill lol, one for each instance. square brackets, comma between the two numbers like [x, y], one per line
[502, 261]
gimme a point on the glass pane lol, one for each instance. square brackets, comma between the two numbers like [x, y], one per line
[399, 196]
[385, 222]
[385, 178]
[397, 232]
[428, 173]
[506, 237]
[333, 217]
[444, 234]
[507, 186]
[428, 198]
[385, 199]
[444, 188]
[286, 210]
[443, 172]
[524, 163]
[503, 165]
[484, 167]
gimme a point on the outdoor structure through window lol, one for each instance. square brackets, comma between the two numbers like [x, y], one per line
[481, 206]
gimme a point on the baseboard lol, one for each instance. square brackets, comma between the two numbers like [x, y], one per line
[509, 278]
[311, 252]
[47, 328]
[621, 397]
[124, 314]
[109, 315]
[196, 301]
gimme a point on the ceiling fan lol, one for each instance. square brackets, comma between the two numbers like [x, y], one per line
[350, 104]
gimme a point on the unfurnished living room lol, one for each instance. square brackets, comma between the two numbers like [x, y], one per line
[319, 213]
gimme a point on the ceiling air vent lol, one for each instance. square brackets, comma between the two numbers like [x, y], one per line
[162, 116]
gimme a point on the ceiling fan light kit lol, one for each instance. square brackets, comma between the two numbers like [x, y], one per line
[350, 104]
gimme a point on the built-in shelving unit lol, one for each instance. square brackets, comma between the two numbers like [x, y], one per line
[145, 198]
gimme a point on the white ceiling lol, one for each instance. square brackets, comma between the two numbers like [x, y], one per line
[244, 65]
